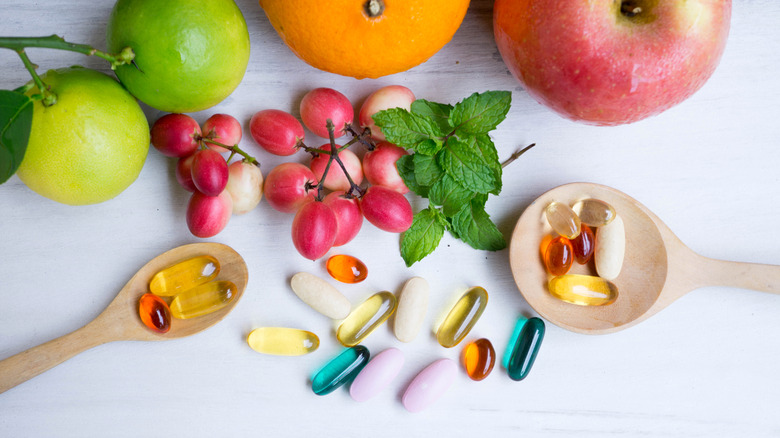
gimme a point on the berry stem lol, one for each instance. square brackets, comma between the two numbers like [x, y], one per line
[233, 150]
[363, 137]
[516, 155]
[334, 156]
[126, 56]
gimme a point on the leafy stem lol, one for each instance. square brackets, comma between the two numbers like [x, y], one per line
[126, 56]
[516, 155]
[49, 98]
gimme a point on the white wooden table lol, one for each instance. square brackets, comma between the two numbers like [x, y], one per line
[706, 366]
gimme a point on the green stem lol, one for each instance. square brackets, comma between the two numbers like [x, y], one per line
[49, 98]
[126, 56]
[233, 150]
[516, 155]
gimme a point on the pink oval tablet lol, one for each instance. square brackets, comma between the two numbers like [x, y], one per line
[380, 371]
[429, 385]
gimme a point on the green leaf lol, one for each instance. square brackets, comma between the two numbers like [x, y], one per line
[487, 149]
[426, 169]
[406, 129]
[480, 113]
[474, 227]
[16, 112]
[423, 236]
[438, 112]
[462, 160]
[450, 195]
[428, 147]
[406, 169]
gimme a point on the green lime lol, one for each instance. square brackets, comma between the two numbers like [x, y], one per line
[190, 54]
[90, 145]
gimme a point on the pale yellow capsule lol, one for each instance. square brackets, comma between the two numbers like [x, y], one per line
[585, 290]
[184, 275]
[203, 299]
[462, 317]
[563, 219]
[282, 341]
[366, 317]
[594, 212]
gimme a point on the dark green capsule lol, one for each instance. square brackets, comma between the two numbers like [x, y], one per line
[340, 370]
[513, 340]
[526, 348]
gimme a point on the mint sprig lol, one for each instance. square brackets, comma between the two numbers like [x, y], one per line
[455, 165]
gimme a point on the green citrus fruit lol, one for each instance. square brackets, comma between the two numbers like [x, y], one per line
[90, 145]
[190, 54]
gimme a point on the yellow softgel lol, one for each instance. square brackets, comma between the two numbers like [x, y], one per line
[584, 290]
[282, 341]
[184, 276]
[202, 300]
[369, 315]
[462, 317]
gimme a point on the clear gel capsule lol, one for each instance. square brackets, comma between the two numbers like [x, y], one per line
[367, 316]
[479, 357]
[594, 212]
[563, 219]
[525, 349]
[340, 370]
[184, 275]
[202, 300]
[282, 341]
[462, 317]
[585, 290]
[513, 340]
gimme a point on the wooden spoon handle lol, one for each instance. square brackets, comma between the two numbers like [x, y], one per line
[764, 278]
[28, 364]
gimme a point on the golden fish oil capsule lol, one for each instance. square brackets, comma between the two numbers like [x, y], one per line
[585, 290]
[203, 299]
[462, 317]
[184, 275]
[594, 212]
[563, 219]
[282, 341]
[367, 316]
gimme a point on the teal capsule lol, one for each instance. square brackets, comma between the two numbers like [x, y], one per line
[512, 340]
[525, 349]
[340, 370]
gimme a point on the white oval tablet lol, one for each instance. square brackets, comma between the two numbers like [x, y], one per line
[610, 248]
[412, 306]
[320, 295]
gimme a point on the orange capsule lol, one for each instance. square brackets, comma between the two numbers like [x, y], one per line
[154, 313]
[559, 256]
[583, 245]
[346, 269]
[478, 358]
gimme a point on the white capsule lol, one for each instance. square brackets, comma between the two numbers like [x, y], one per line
[610, 249]
[412, 306]
[320, 295]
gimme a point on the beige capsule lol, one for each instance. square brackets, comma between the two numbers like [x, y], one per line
[412, 307]
[610, 249]
[320, 295]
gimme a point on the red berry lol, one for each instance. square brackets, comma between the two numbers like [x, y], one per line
[314, 230]
[321, 104]
[276, 131]
[387, 209]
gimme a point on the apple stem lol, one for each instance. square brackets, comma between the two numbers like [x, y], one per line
[516, 155]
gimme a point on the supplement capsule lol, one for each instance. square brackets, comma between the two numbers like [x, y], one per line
[367, 316]
[585, 290]
[583, 245]
[203, 299]
[478, 359]
[320, 295]
[513, 340]
[412, 306]
[379, 372]
[282, 341]
[462, 317]
[429, 385]
[184, 275]
[563, 219]
[594, 212]
[346, 269]
[559, 256]
[610, 249]
[340, 370]
[154, 313]
[525, 349]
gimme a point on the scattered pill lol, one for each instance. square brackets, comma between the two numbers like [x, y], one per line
[429, 385]
[184, 275]
[346, 269]
[559, 256]
[583, 245]
[320, 295]
[462, 317]
[282, 341]
[379, 372]
[610, 249]
[594, 212]
[563, 219]
[203, 299]
[479, 357]
[525, 349]
[513, 340]
[366, 317]
[412, 307]
[154, 313]
[340, 370]
[585, 290]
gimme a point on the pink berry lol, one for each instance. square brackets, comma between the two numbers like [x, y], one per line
[335, 179]
[224, 129]
[175, 135]
[391, 96]
[184, 173]
[349, 219]
[209, 172]
[245, 185]
[314, 230]
[285, 187]
[276, 131]
[208, 215]
[379, 166]
[387, 209]
[321, 104]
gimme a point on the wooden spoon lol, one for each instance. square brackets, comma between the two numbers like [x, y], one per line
[658, 268]
[120, 321]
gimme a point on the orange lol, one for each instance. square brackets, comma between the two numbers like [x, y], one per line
[365, 38]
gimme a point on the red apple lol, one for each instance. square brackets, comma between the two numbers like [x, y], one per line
[608, 62]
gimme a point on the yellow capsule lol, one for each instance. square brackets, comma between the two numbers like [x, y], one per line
[282, 341]
[367, 316]
[462, 317]
[594, 212]
[203, 299]
[184, 276]
[563, 219]
[585, 290]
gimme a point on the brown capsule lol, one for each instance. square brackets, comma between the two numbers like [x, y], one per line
[559, 256]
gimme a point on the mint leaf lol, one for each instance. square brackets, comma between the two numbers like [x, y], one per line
[438, 112]
[450, 195]
[426, 170]
[406, 169]
[406, 129]
[480, 113]
[474, 227]
[428, 147]
[16, 112]
[462, 160]
[487, 149]
[423, 236]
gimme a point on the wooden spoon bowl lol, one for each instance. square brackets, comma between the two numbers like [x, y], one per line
[658, 268]
[120, 321]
